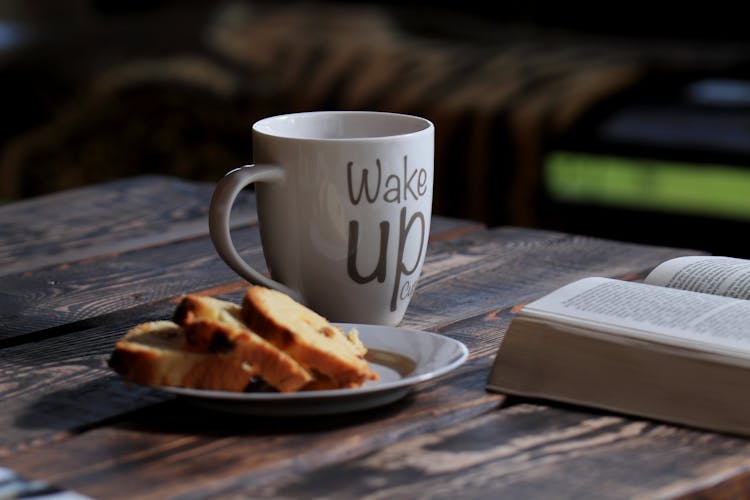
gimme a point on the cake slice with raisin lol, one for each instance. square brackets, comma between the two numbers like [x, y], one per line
[309, 338]
[215, 326]
[157, 353]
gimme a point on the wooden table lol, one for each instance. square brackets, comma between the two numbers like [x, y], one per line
[80, 267]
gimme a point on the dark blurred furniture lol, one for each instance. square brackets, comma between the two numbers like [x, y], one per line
[97, 90]
[666, 162]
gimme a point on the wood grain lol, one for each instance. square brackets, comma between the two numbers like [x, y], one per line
[532, 451]
[59, 299]
[124, 215]
[435, 406]
[174, 449]
[56, 300]
[424, 446]
[453, 288]
[107, 218]
[68, 420]
[506, 262]
[86, 306]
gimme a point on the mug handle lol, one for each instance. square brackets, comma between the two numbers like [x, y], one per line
[224, 196]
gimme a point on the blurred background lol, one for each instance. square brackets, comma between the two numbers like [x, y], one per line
[627, 120]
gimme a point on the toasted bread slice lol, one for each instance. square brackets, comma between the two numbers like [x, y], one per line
[213, 325]
[156, 353]
[306, 336]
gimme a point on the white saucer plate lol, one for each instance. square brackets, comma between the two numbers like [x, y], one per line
[402, 357]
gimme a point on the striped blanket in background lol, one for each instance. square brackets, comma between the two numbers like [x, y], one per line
[499, 96]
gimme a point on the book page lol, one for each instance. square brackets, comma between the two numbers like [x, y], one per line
[644, 311]
[708, 274]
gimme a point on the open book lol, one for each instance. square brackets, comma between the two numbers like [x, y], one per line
[675, 347]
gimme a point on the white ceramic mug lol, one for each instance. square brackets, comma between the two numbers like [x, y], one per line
[344, 206]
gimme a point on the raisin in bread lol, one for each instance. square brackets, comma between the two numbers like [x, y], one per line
[213, 325]
[157, 353]
[307, 337]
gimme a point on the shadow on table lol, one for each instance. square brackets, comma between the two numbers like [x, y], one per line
[105, 401]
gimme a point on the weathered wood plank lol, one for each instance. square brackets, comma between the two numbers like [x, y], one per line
[64, 381]
[36, 303]
[52, 387]
[524, 449]
[50, 301]
[100, 325]
[174, 449]
[447, 278]
[107, 218]
[438, 404]
[517, 451]
[532, 451]
[58, 296]
[124, 215]
[520, 263]
[58, 325]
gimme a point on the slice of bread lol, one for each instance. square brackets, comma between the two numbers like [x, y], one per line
[156, 353]
[214, 326]
[307, 337]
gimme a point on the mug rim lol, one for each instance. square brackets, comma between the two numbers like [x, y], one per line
[421, 124]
